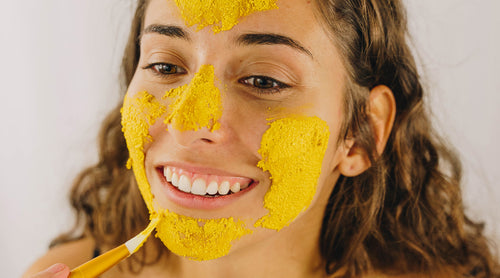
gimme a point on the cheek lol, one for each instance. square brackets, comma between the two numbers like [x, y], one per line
[138, 114]
[292, 151]
[222, 14]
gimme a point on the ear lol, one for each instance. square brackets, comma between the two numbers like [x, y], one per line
[381, 111]
[381, 114]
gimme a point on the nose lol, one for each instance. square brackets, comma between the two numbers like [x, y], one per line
[194, 114]
[194, 138]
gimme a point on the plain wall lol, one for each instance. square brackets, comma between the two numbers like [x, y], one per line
[59, 71]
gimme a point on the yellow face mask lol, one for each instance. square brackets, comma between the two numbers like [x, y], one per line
[196, 105]
[292, 148]
[222, 15]
[292, 151]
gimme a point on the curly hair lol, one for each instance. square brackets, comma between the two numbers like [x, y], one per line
[403, 215]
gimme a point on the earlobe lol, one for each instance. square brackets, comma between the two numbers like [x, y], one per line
[381, 114]
[355, 160]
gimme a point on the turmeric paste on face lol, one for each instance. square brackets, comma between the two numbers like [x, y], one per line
[199, 239]
[221, 14]
[292, 150]
[138, 114]
[197, 104]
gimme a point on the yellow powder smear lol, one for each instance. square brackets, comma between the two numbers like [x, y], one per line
[199, 239]
[292, 151]
[222, 14]
[138, 114]
[197, 104]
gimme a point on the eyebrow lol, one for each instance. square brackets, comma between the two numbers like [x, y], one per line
[166, 30]
[270, 39]
[245, 39]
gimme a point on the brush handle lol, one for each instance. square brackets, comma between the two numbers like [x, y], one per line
[100, 264]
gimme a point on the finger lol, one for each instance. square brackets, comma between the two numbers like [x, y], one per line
[55, 271]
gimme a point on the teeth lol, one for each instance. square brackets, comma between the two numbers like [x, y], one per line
[197, 184]
[243, 186]
[224, 188]
[184, 184]
[168, 173]
[175, 180]
[212, 188]
[235, 187]
[199, 187]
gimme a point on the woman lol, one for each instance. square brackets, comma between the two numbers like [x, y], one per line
[309, 150]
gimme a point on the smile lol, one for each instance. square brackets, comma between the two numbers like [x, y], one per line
[204, 185]
[202, 189]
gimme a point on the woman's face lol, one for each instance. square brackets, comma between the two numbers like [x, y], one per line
[239, 127]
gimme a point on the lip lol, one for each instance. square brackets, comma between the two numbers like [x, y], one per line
[192, 201]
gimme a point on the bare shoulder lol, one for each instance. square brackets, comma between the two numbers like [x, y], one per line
[72, 254]
[446, 273]
[443, 274]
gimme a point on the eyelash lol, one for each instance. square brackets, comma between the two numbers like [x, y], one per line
[276, 86]
[154, 67]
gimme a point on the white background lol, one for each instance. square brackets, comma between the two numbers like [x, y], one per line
[59, 76]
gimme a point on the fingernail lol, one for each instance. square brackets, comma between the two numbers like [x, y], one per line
[56, 268]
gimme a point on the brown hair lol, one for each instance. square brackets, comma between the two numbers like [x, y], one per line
[403, 215]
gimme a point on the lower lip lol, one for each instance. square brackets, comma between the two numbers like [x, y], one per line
[193, 201]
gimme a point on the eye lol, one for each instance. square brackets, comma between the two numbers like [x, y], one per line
[165, 69]
[264, 84]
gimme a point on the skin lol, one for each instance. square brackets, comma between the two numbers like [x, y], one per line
[315, 82]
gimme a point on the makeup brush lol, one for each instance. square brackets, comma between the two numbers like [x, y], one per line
[102, 263]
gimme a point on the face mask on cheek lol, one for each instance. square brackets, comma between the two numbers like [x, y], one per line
[292, 150]
[139, 112]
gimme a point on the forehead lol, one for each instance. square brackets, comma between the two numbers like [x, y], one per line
[292, 17]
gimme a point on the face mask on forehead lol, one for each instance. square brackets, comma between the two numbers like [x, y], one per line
[292, 148]
[222, 15]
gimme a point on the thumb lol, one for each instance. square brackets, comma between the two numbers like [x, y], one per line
[58, 270]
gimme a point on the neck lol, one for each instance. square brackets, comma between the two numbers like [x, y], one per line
[277, 256]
